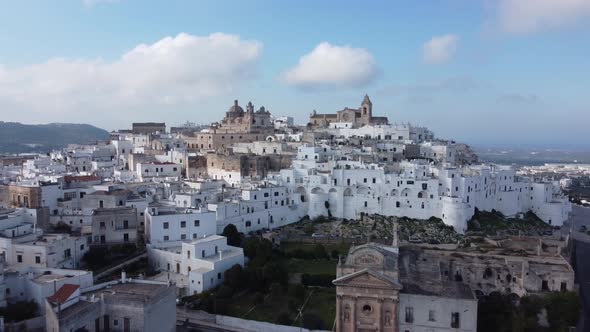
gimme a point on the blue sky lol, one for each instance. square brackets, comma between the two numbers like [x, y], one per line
[494, 72]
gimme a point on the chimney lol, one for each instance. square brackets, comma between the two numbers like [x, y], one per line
[123, 277]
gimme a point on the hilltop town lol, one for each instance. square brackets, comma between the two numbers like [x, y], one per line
[349, 222]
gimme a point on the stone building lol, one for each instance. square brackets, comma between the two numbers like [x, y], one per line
[233, 167]
[379, 288]
[349, 117]
[237, 126]
[148, 127]
[24, 196]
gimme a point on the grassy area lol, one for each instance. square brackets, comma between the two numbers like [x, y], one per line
[493, 223]
[323, 304]
[323, 266]
[289, 247]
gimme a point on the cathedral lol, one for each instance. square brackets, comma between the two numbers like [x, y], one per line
[354, 117]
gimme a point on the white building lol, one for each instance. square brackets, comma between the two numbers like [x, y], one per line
[169, 226]
[197, 265]
[26, 283]
[146, 171]
[344, 189]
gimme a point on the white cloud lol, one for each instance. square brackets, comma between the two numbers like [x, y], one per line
[173, 71]
[440, 49]
[525, 16]
[333, 66]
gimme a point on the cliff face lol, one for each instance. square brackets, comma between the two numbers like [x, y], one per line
[20, 138]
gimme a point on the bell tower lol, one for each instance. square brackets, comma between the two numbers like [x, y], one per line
[366, 110]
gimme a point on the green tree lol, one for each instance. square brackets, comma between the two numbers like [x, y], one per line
[319, 252]
[234, 238]
[235, 277]
[563, 310]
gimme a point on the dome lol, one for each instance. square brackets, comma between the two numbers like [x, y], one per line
[235, 108]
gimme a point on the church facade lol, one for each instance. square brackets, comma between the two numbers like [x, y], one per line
[380, 289]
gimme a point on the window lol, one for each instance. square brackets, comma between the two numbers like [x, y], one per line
[37, 259]
[194, 235]
[197, 223]
[455, 320]
[277, 193]
[182, 224]
[183, 236]
[397, 204]
[365, 180]
[166, 225]
[431, 316]
[203, 253]
[265, 194]
[125, 224]
[219, 276]
[166, 238]
[409, 315]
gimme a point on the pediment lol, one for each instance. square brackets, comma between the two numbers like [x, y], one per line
[367, 279]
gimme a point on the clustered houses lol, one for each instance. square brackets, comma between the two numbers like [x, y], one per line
[330, 184]
[177, 191]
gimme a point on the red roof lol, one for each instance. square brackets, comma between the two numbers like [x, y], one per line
[63, 294]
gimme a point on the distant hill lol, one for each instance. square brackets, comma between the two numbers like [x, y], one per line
[24, 138]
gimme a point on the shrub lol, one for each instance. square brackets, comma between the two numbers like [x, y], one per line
[335, 254]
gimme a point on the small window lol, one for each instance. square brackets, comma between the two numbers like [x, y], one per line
[166, 238]
[455, 320]
[409, 315]
[37, 259]
[197, 223]
[166, 225]
[182, 224]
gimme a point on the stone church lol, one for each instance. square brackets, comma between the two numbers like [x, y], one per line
[355, 117]
[379, 288]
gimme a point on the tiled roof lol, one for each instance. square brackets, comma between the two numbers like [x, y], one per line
[63, 294]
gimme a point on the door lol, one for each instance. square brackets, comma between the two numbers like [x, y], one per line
[126, 324]
[107, 323]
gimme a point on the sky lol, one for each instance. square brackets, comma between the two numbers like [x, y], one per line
[484, 72]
